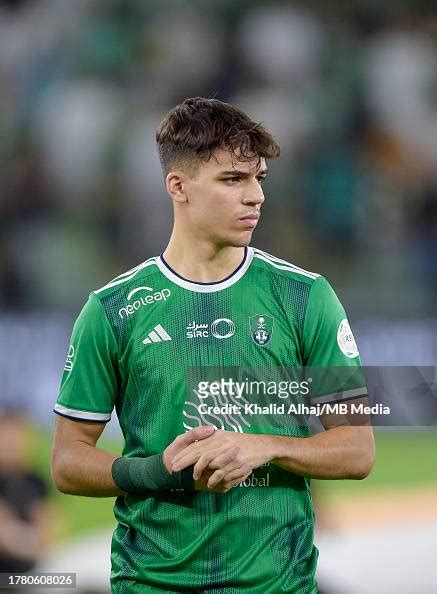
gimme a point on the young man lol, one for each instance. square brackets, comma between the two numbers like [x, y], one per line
[199, 509]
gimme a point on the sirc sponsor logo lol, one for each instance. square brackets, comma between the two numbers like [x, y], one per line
[142, 300]
[220, 328]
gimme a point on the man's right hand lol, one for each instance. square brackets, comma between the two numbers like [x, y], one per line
[228, 463]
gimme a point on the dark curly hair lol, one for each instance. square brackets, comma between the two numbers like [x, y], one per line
[193, 130]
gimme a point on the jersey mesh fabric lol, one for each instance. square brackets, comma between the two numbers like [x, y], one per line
[258, 537]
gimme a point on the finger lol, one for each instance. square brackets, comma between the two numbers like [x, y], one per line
[225, 457]
[225, 486]
[231, 472]
[215, 436]
[183, 462]
[214, 459]
[238, 475]
[223, 464]
[202, 463]
[184, 446]
[195, 434]
[229, 484]
[185, 451]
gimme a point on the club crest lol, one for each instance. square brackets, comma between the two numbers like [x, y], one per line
[261, 329]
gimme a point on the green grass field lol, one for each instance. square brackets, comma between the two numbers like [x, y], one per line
[404, 459]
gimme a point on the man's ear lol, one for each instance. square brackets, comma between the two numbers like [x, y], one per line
[175, 184]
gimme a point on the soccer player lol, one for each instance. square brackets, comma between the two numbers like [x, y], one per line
[206, 501]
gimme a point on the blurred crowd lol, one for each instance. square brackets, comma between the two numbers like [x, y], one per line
[350, 91]
[27, 517]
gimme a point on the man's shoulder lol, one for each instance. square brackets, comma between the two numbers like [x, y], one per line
[122, 282]
[278, 266]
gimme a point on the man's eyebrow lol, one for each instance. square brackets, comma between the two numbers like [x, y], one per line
[243, 173]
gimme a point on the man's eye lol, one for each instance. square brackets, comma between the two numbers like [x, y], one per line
[261, 180]
[232, 179]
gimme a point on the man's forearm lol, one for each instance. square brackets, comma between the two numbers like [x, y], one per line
[80, 468]
[83, 469]
[338, 453]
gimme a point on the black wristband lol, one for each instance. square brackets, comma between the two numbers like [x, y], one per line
[138, 475]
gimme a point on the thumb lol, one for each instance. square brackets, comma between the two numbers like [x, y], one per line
[195, 434]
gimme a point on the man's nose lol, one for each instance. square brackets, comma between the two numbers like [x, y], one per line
[254, 194]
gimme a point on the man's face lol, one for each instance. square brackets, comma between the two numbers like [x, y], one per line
[224, 199]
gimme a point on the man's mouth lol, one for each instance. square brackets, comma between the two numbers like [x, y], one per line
[250, 219]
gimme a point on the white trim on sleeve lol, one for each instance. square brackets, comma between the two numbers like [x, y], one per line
[83, 415]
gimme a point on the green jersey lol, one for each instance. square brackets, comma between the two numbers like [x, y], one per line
[131, 347]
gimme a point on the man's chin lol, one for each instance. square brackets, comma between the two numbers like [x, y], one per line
[239, 240]
[243, 239]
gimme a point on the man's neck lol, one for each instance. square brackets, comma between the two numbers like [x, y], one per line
[201, 261]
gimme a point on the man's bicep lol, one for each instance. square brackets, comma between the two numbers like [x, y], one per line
[78, 467]
[69, 432]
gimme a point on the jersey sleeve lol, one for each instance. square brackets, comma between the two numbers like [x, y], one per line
[330, 352]
[90, 382]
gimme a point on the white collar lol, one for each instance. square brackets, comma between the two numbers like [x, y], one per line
[206, 287]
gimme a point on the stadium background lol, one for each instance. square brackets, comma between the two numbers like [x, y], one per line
[350, 91]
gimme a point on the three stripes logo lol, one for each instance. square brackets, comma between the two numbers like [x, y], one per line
[158, 334]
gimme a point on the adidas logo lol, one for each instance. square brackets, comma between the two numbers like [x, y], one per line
[158, 334]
